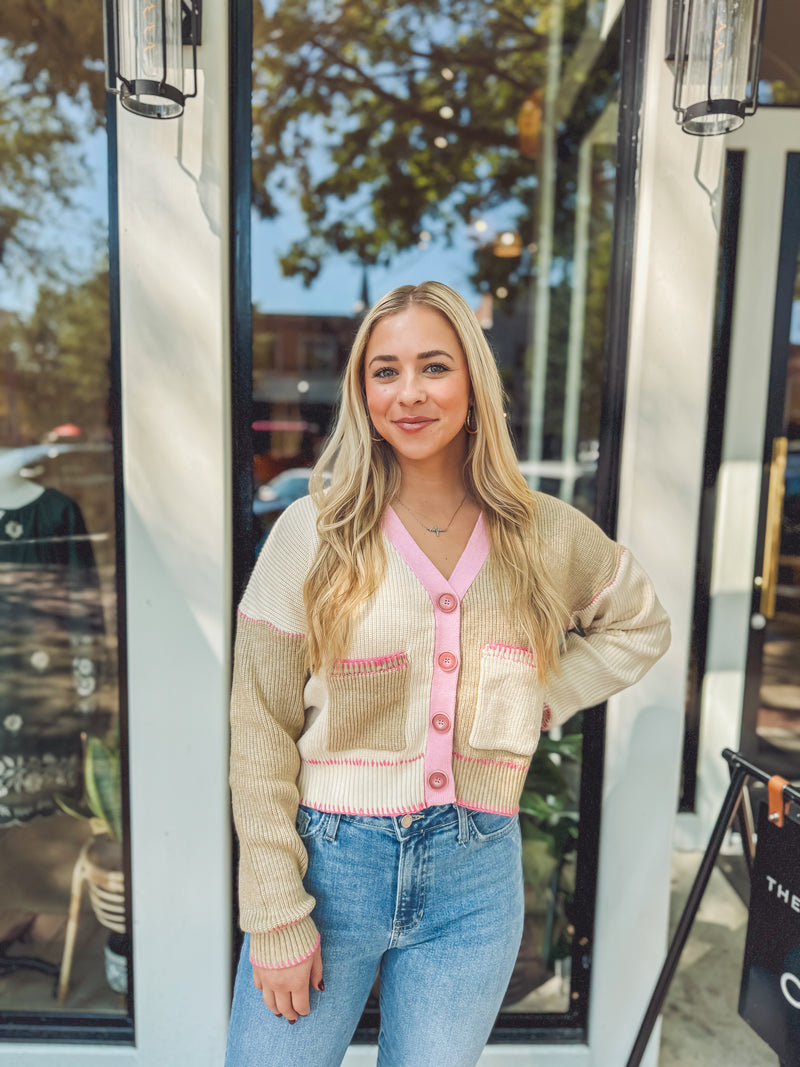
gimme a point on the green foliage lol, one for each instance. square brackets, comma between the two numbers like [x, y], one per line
[52, 97]
[348, 120]
[61, 360]
[549, 823]
[102, 803]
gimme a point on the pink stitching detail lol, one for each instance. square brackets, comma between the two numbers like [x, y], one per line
[362, 762]
[546, 716]
[341, 810]
[515, 653]
[494, 762]
[397, 661]
[278, 630]
[622, 552]
[289, 963]
[480, 807]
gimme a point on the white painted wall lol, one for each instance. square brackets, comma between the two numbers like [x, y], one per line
[766, 138]
[173, 199]
[663, 446]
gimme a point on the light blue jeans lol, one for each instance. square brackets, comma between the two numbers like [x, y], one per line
[435, 909]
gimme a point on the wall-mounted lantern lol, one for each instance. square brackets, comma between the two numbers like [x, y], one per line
[144, 53]
[716, 45]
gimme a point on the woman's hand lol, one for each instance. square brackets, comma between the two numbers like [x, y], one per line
[285, 990]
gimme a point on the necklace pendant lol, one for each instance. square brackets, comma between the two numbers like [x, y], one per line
[434, 530]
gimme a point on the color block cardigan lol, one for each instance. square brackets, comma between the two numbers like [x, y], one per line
[438, 702]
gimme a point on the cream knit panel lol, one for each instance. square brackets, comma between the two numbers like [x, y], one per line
[363, 748]
[499, 704]
[275, 590]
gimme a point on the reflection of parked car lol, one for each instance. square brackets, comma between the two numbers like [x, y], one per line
[275, 496]
[282, 490]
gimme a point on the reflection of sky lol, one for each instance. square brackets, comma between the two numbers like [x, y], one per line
[77, 231]
[338, 285]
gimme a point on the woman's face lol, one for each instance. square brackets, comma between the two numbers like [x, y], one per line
[417, 386]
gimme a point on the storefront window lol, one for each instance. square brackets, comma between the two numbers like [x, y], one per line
[779, 75]
[473, 144]
[63, 923]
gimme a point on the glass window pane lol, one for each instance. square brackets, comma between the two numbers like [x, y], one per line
[474, 144]
[60, 793]
[779, 75]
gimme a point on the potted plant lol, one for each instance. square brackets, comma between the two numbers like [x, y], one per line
[549, 824]
[99, 864]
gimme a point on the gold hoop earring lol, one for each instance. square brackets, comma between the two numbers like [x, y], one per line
[473, 429]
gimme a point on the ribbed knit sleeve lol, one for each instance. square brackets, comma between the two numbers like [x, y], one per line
[618, 628]
[267, 716]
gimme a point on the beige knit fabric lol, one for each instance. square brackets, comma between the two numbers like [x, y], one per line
[356, 741]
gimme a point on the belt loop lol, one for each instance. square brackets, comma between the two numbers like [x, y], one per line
[463, 825]
[332, 829]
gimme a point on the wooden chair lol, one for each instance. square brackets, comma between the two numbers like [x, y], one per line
[107, 897]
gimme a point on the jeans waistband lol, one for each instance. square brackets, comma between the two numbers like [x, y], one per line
[440, 818]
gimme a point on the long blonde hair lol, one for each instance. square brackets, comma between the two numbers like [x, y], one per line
[357, 476]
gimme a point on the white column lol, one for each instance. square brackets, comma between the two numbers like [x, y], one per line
[675, 252]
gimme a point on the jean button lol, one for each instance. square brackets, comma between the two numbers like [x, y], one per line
[437, 780]
[406, 821]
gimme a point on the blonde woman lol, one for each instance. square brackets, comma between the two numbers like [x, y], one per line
[406, 635]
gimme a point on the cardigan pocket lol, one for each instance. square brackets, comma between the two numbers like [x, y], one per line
[510, 701]
[368, 703]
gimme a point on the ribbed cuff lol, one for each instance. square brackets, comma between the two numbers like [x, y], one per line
[286, 946]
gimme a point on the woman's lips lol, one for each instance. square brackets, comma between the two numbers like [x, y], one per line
[413, 425]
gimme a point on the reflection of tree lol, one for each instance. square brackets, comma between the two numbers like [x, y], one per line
[60, 360]
[51, 95]
[387, 123]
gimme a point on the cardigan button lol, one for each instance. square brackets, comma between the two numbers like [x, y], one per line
[447, 602]
[448, 661]
[441, 723]
[437, 780]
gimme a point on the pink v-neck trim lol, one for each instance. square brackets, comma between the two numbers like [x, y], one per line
[446, 595]
[465, 571]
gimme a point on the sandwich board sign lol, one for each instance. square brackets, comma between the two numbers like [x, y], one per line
[769, 1000]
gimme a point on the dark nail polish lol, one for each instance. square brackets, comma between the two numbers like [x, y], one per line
[321, 986]
[292, 1022]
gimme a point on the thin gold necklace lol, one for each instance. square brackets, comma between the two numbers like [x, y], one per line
[433, 529]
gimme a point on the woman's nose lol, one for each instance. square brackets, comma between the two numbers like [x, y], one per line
[411, 389]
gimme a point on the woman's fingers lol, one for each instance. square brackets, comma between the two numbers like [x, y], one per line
[283, 1000]
[285, 989]
[269, 1000]
[316, 972]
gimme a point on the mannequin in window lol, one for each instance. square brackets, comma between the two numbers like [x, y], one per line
[51, 641]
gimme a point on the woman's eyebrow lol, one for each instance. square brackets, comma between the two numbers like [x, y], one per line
[433, 353]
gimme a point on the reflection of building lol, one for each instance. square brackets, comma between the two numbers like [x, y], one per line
[297, 362]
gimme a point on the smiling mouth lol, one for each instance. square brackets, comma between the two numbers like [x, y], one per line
[413, 424]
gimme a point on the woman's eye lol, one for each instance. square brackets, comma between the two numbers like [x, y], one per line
[383, 372]
[436, 368]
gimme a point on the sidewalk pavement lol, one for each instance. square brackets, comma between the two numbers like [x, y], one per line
[701, 1025]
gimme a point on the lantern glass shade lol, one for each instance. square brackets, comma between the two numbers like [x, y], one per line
[716, 64]
[150, 57]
